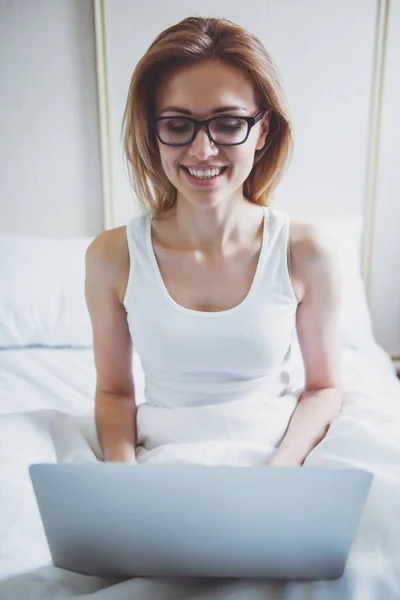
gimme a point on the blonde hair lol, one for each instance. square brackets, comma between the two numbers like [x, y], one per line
[192, 40]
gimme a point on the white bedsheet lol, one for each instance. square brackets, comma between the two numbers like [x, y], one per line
[46, 415]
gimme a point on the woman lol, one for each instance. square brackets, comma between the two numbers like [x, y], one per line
[211, 281]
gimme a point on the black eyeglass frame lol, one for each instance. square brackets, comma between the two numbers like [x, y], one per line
[251, 121]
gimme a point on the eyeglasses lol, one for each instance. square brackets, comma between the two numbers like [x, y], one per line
[224, 131]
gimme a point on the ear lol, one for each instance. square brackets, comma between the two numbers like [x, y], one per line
[264, 132]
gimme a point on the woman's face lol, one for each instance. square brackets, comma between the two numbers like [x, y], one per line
[199, 90]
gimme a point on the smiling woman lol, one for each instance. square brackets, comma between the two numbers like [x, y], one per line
[210, 282]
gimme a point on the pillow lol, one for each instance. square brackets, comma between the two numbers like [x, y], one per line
[42, 299]
[345, 234]
[42, 292]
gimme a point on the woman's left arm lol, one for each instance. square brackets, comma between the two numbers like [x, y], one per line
[317, 323]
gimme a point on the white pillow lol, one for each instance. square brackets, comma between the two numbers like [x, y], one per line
[42, 292]
[42, 300]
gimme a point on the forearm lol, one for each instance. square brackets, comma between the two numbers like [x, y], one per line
[308, 426]
[115, 417]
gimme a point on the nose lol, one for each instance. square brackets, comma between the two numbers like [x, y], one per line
[202, 146]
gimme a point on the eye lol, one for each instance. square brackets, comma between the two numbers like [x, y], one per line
[176, 124]
[230, 125]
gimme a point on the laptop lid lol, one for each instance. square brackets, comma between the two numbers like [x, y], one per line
[119, 520]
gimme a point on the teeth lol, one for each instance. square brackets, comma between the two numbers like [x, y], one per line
[206, 174]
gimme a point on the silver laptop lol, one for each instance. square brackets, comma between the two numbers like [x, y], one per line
[118, 520]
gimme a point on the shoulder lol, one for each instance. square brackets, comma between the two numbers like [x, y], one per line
[107, 257]
[313, 257]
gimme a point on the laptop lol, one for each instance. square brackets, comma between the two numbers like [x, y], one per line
[119, 520]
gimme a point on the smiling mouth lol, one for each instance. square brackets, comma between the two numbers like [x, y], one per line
[187, 170]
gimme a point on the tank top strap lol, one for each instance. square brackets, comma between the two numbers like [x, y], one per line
[138, 255]
[136, 231]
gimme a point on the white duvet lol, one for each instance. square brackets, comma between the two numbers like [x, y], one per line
[46, 415]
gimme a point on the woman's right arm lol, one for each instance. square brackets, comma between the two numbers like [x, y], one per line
[115, 408]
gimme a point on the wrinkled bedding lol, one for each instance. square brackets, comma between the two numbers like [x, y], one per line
[46, 415]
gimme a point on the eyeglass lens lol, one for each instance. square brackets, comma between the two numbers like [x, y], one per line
[225, 130]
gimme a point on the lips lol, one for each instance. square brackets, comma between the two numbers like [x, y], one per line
[205, 167]
[206, 182]
[223, 168]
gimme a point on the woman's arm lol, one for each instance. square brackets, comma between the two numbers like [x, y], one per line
[115, 416]
[115, 408]
[315, 264]
[309, 424]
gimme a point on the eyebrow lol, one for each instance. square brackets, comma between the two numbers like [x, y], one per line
[213, 112]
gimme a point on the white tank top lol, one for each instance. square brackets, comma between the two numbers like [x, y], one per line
[224, 366]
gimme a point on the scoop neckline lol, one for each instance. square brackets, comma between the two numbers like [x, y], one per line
[204, 313]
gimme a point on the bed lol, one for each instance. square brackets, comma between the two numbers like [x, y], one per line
[47, 378]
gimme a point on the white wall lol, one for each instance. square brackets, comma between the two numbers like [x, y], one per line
[49, 142]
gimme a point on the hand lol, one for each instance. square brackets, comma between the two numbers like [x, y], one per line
[279, 460]
[130, 460]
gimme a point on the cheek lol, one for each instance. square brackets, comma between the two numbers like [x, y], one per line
[242, 161]
[170, 163]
